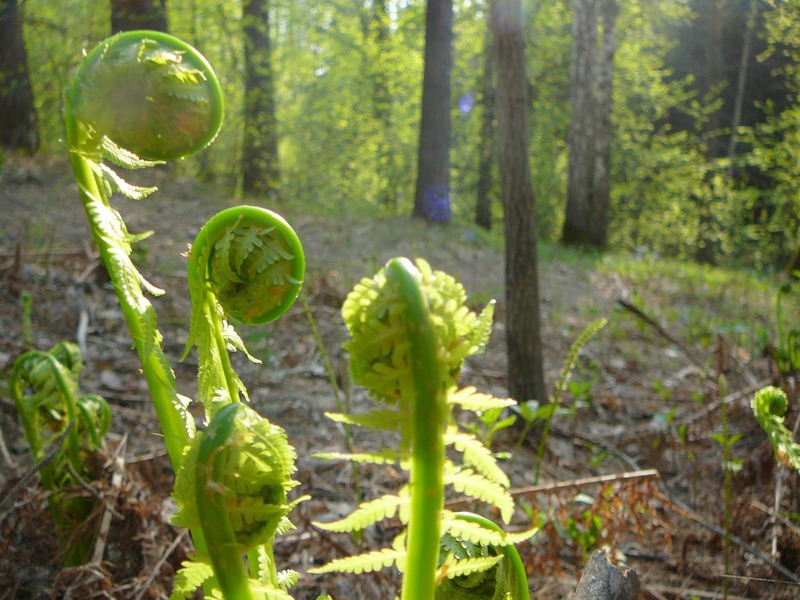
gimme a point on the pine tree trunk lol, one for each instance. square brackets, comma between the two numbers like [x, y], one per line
[260, 172]
[19, 127]
[525, 364]
[580, 136]
[432, 195]
[127, 15]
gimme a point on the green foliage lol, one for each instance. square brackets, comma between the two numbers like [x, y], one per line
[769, 407]
[233, 486]
[138, 98]
[59, 421]
[542, 414]
[410, 333]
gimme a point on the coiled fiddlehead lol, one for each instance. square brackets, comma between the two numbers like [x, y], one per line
[410, 333]
[246, 264]
[44, 386]
[769, 407]
[149, 94]
[138, 98]
[234, 486]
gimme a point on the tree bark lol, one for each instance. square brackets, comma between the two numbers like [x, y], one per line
[19, 126]
[486, 145]
[432, 195]
[260, 171]
[127, 15]
[603, 581]
[600, 196]
[581, 128]
[524, 347]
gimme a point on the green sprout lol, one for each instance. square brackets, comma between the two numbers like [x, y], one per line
[57, 419]
[410, 333]
[769, 407]
[140, 98]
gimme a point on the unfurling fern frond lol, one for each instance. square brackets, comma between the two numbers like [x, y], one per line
[234, 486]
[769, 407]
[247, 265]
[410, 333]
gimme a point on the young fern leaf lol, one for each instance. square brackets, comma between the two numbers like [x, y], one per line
[769, 407]
[234, 486]
[367, 513]
[246, 264]
[44, 386]
[410, 333]
[364, 563]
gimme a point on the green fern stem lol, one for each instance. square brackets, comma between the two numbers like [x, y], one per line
[429, 418]
[159, 377]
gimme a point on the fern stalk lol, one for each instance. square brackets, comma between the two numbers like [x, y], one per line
[429, 417]
[160, 379]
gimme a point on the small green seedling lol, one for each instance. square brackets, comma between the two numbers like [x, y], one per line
[57, 419]
[769, 407]
[140, 98]
[410, 333]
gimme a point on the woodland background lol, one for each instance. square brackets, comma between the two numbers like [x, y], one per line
[664, 157]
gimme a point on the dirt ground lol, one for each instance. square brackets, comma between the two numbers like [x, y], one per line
[626, 466]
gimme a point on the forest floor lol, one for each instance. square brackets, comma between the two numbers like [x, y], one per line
[632, 462]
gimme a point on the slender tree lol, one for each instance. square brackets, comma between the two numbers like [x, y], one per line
[603, 133]
[486, 145]
[525, 363]
[590, 133]
[127, 15]
[19, 129]
[580, 135]
[260, 171]
[432, 196]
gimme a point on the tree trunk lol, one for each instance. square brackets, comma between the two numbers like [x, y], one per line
[525, 370]
[581, 128]
[603, 134]
[603, 581]
[483, 202]
[741, 81]
[432, 195]
[260, 173]
[127, 15]
[19, 127]
[379, 35]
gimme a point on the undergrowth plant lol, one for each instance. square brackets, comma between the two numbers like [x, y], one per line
[769, 407]
[140, 98]
[70, 427]
[410, 333]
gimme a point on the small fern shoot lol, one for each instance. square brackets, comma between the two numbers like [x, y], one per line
[138, 98]
[44, 386]
[769, 407]
[246, 264]
[410, 333]
[234, 485]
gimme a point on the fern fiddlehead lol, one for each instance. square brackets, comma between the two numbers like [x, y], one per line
[235, 484]
[247, 265]
[410, 333]
[123, 105]
[140, 98]
[44, 386]
[769, 406]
